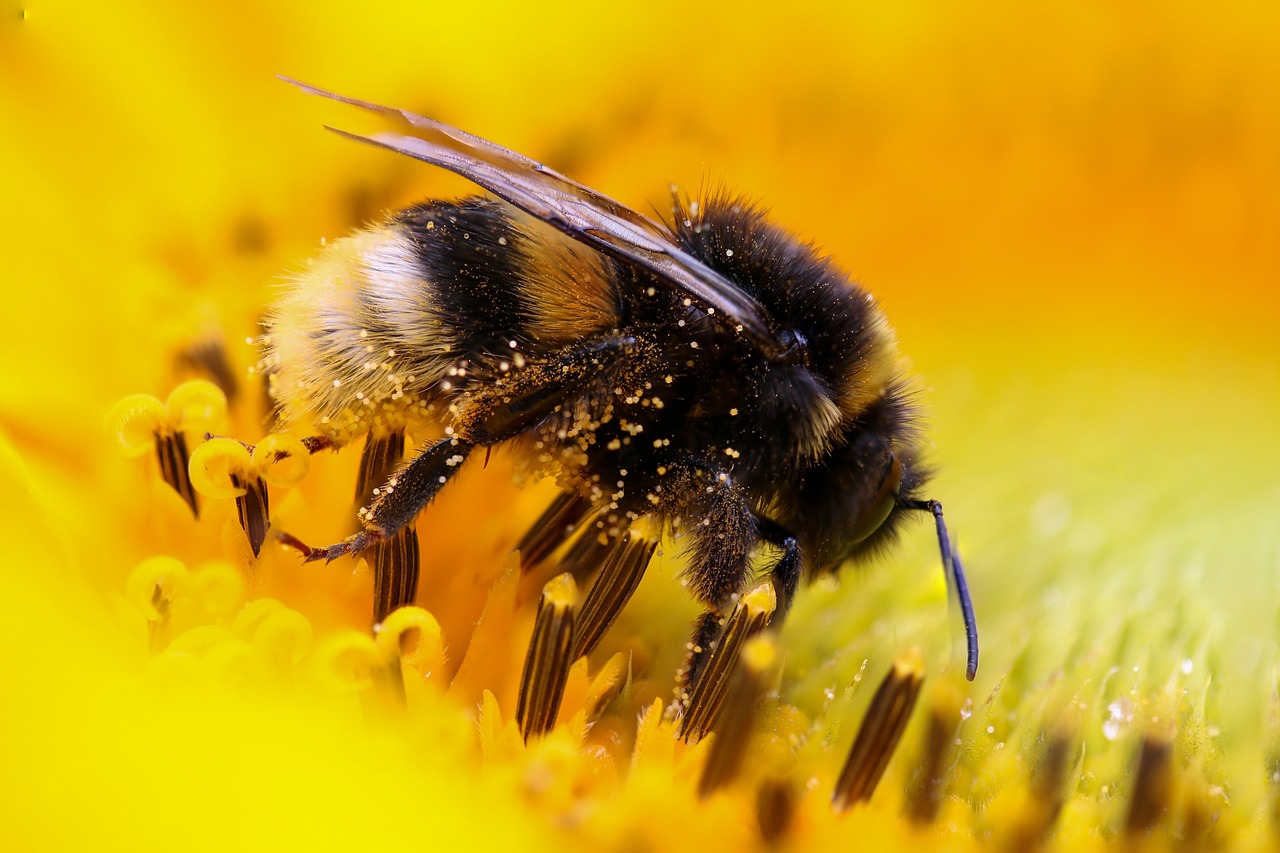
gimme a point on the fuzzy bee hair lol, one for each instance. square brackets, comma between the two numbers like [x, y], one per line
[713, 374]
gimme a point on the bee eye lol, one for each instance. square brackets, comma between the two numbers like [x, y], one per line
[882, 500]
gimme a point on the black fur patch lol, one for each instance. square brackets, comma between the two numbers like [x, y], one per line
[468, 253]
[802, 290]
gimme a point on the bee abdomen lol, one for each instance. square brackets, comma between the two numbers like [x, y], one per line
[367, 334]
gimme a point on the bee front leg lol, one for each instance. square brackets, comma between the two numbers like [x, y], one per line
[718, 638]
[402, 498]
[723, 527]
[785, 573]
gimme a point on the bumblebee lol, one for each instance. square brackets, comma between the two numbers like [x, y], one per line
[712, 377]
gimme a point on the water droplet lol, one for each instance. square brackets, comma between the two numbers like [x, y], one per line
[1120, 714]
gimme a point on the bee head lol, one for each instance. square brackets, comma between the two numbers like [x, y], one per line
[853, 503]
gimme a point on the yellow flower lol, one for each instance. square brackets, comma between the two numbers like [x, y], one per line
[1070, 216]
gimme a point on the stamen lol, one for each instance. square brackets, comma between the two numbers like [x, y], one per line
[209, 357]
[134, 421]
[197, 406]
[1043, 803]
[924, 790]
[253, 511]
[395, 560]
[152, 586]
[408, 636]
[282, 460]
[546, 666]
[217, 464]
[141, 422]
[223, 468]
[775, 808]
[706, 628]
[612, 589]
[749, 617]
[412, 636]
[551, 529]
[1152, 785]
[880, 732]
[345, 662]
[217, 586]
[281, 634]
[381, 455]
[586, 552]
[736, 726]
[171, 452]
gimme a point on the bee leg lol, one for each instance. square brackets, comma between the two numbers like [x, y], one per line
[724, 532]
[718, 642]
[404, 495]
[541, 388]
[785, 574]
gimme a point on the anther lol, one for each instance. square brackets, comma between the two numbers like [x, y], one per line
[223, 468]
[1152, 785]
[171, 453]
[1045, 789]
[924, 790]
[733, 731]
[775, 808]
[395, 560]
[142, 423]
[612, 589]
[253, 510]
[153, 585]
[880, 732]
[549, 531]
[546, 665]
[208, 357]
[749, 617]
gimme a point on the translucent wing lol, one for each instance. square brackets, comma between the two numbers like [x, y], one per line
[578, 211]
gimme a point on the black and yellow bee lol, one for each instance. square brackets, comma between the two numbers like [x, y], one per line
[714, 374]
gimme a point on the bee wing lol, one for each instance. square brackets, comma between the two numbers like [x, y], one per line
[578, 211]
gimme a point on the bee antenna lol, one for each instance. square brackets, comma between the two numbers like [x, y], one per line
[955, 571]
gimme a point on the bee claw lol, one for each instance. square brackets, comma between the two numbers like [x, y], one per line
[351, 545]
[291, 541]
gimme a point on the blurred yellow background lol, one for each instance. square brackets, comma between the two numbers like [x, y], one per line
[1070, 212]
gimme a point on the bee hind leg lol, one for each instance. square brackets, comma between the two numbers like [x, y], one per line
[717, 640]
[404, 495]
